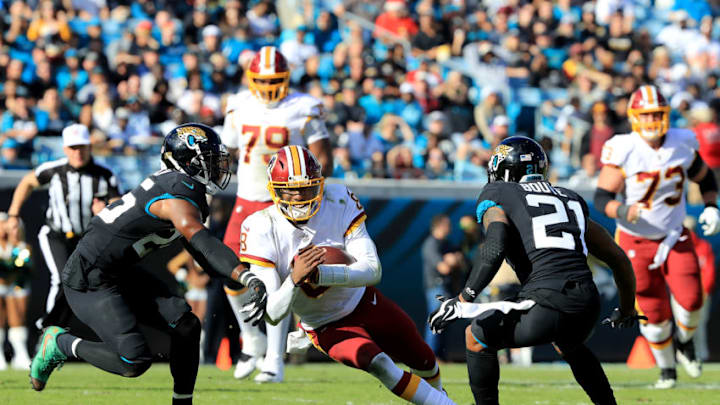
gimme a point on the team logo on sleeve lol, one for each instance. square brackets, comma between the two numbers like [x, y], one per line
[501, 152]
[192, 136]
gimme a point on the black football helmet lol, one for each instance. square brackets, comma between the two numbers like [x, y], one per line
[196, 150]
[518, 159]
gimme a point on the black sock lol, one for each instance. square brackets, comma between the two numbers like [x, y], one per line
[484, 373]
[64, 342]
[185, 354]
[589, 374]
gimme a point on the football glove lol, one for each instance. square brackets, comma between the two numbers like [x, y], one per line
[710, 220]
[447, 312]
[256, 298]
[616, 320]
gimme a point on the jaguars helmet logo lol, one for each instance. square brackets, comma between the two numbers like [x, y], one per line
[501, 152]
[192, 136]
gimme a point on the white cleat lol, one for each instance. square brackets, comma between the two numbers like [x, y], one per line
[692, 367]
[245, 366]
[272, 371]
[268, 377]
[665, 384]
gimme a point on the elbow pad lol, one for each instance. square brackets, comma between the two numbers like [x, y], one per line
[602, 198]
[488, 259]
[221, 258]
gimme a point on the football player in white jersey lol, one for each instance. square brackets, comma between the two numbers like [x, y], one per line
[259, 121]
[650, 166]
[339, 310]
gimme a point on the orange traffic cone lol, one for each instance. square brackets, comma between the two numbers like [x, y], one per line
[640, 355]
[223, 360]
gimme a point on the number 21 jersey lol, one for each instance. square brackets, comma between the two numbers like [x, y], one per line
[655, 178]
[546, 245]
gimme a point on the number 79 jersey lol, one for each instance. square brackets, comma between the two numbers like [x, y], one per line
[655, 178]
[258, 131]
[546, 244]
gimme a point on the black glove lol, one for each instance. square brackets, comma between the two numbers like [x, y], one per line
[256, 298]
[448, 311]
[617, 321]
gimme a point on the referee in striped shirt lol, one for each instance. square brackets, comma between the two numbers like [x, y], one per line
[78, 188]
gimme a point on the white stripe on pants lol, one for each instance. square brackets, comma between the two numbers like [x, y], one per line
[52, 267]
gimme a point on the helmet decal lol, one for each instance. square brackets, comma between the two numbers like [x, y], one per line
[518, 159]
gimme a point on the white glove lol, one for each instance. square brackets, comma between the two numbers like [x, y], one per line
[298, 342]
[710, 221]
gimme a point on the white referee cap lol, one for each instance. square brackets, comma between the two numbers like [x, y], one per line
[76, 134]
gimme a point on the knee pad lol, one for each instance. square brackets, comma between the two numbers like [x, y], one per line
[135, 367]
[485, 329]
[656, 332]
[188, 327]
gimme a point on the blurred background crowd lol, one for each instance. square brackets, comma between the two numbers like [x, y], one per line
[412, 89]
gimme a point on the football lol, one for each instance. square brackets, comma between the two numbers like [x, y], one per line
[335, 255]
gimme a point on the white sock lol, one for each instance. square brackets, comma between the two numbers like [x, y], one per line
[254, 341]
[414, 389]
[686, 321]
[276, 341]
[17, 335]
[3, 361]
[432, 376]
[659, 335]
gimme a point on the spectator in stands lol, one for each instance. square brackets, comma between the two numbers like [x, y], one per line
[395, 21]
[326, 34]
[707, 131]
[296, 50]
[18, 130]
[587, 175]
[409, 109]
[500, 130]
[262, 19]
[49, 24]
[400, 164]
[50, 117]
[599, 132]
[429, 39]
[490, 106]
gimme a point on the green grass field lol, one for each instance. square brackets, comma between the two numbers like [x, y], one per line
[328, 383]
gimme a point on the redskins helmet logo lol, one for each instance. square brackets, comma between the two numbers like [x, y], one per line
[192, 136]
[501, 152]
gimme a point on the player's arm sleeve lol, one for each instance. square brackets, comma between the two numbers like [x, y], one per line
[489, 256]
[315, 128]
[364, 272]
[228, 135]
[212, 255]
[280, 295]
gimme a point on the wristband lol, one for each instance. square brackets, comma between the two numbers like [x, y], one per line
[622, 211]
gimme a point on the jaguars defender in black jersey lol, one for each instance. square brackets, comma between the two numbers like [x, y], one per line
[545, 234]
[106, 292]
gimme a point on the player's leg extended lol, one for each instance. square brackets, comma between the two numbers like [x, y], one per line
[185, 357]
[352, 345]
[386, 320]
[272, 369]
[652, 300]
[122, 349]
[682, 273]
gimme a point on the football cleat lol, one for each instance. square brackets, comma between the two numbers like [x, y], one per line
[685, 355]
[47, 358]
[245, 366]
[272, 372]
[668, 379]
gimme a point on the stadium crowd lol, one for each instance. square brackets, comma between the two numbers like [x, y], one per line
[412, 89]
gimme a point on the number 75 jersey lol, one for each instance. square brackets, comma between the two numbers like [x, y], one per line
[655, 178]
[258, 131]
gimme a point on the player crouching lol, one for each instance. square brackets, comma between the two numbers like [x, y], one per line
[342, 314]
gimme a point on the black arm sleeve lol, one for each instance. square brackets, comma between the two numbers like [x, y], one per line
[212, 255]
[695, 166]
[708, 183]
[602, 198]
[488, 259]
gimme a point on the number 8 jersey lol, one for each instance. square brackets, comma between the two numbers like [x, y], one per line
[258, 131]
[655, 178]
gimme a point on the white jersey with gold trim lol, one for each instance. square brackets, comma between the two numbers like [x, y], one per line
[258, 131]
[653, 177]
[270, 242]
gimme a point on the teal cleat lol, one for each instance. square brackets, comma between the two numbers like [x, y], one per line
[47, 358]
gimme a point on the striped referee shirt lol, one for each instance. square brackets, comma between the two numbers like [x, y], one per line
[71, 193]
